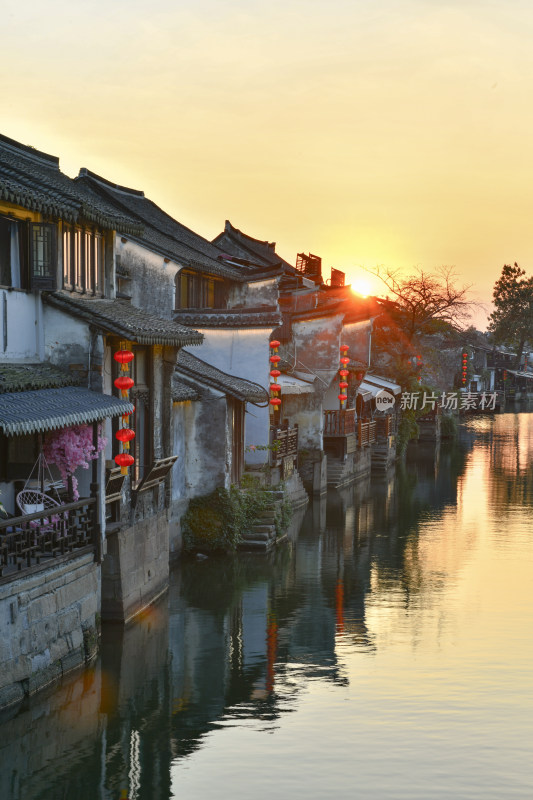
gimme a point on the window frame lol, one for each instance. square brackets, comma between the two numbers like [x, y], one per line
[83, 259]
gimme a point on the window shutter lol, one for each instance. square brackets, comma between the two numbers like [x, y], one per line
[43, 256]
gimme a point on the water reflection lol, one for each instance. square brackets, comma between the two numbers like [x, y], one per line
[365, 604]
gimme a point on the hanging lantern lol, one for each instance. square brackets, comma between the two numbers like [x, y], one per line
[344, 348]
[124, 357]
[345, 372]
[125, 435]
[345, 360]
[343, 385]
[275, 401]
[124, 460]
[124, 384]
[274, 344]
[275, 373]
[342, 398]
[275, 387]
[275, 359]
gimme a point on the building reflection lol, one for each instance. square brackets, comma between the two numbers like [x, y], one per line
[236, 639]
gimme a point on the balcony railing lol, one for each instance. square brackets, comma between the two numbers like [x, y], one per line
[385, 426]
[288, 443]
[27, 540]
[366, 433]
[339, 423]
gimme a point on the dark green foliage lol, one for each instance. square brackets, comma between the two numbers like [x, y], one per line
[511, 322]
[407, 430]
[217, 521]
[283, 517]
[448, 426]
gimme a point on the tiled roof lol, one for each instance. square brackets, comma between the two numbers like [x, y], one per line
[229, 318]
[21, 377]
[191, 367]
[182, 392]
[125, 320]
[239, 244]
[32, 179]
[160, 231]
[49, 409]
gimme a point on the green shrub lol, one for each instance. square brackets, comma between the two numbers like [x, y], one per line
[216, 522]
[407, 430]
[448, 426]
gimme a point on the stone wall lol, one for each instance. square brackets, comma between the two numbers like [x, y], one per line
[136, 568]
[49, 625]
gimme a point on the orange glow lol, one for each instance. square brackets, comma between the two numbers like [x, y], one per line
[361, 286]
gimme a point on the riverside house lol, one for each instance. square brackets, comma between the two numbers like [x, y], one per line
[70, 553]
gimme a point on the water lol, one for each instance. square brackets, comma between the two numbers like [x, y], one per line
[385, 654]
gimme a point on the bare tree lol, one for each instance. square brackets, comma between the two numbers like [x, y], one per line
[425, 296]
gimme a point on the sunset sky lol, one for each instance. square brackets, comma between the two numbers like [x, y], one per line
[394, 132]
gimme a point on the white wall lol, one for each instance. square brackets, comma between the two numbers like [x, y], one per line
[243, 353]
[22, 313]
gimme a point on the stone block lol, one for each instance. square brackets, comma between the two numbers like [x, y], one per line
[42, 607]
[68, 620]
[43, 677]
[88, 607]
[10, 695]
[74, 659]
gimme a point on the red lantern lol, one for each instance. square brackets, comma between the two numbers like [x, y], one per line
[344, 372]
[124, 357]
[342, 398]
[275, 387]
[345, 360]
[125, 435]
[275, 401]
[274, 344]
[343, 385]
[124, 383]
[124, 460]
[275, 359]
[344, 348]
[275, 373]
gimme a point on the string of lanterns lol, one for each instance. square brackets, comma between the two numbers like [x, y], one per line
[464, 368]
[125, 434]
[275, 388]
[343, 373]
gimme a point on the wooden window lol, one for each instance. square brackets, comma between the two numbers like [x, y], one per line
[43, 255]
[83, 260]
[194, 290]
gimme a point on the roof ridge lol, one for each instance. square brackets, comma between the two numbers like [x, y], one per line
[29, 151]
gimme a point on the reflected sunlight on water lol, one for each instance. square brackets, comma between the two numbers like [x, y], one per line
[386, 653]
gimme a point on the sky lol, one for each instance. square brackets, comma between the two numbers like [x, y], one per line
[393, 133]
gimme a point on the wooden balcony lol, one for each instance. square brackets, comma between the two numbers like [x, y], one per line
[339, 423]
[29, 540]
[385, 426]
[287, 439]
[366, 433]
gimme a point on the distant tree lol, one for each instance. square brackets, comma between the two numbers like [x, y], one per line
[423, 297]
[511, 322]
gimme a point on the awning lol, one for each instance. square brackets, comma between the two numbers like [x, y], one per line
[292, 385]
[204, 374]
[49, 409]
[520, 374]
[373, 382]
[365, 393]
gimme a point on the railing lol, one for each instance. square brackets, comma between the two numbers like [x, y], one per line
[25, 540]
[339, 423]
[366, 433]
[384, 426]
[287, 443]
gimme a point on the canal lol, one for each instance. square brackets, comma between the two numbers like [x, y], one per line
[386, 653]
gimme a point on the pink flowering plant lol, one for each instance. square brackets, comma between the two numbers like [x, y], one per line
[70, 448]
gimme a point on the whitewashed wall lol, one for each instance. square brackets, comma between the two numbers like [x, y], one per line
[21, 326]
[243, 353]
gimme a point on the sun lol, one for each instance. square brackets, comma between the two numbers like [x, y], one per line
[361, 286]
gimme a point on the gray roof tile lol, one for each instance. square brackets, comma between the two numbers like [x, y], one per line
[191, 367]
[49, 409]
[123, 319]
[21, 377]
[229, 318]
[33, 180]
